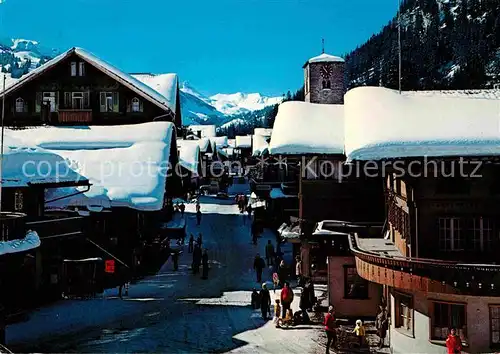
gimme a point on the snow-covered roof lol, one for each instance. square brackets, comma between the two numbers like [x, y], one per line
[220, 141]
[189, 156]
[308, 128]
[324, 58]
[207, 131]
[164, 84]
[24, 164]
[243, 141]
[263, 131]
[29, 242]
[259, 143]
[127, 164]
[203, 143]
[127, 80]
[381, 124]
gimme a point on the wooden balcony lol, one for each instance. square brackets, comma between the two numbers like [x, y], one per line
[58, 226]
[75, 116]
[12, 226]
[381, 264]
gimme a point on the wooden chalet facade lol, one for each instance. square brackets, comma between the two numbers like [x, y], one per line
[437, 257]
[77, 88]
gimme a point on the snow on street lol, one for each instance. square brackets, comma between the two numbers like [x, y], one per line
[175, 311]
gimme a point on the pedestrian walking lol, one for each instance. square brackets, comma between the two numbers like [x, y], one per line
[259, 265]
[269, 253]
[205, 264]
[286, 298]
[382, 324]
[198, 217]
[196, 259]
[200, 239]
[191, 243]
[453, 342]
[198, 207]
[182, 208]
[265, 302]
[360, 332]
[298, 270]
[255, 299]
[331, 334]
[304, 305]
[283, 273]
[175, 259]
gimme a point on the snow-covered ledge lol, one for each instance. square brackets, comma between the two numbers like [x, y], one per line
[29, 242]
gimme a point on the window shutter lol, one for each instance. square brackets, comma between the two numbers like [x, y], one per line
[102, 101]
[38, 102]
[116, 103]
[86, 100]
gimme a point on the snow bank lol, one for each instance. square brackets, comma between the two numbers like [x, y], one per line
[259, 143]
[308, 128]
[127, 165]
[29, 242]
[325, 58]
[189, 155]
[207, 131]
[243, 141]
[382, 124]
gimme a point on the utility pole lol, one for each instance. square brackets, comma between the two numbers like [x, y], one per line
[399, 44]
[1, 143]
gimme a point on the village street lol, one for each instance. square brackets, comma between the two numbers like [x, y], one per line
[175, 311]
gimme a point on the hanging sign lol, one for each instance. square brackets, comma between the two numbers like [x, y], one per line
[109, 266]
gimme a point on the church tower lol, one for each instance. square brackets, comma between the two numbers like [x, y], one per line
[324, 79]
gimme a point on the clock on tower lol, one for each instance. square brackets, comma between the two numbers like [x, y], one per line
[326, 71]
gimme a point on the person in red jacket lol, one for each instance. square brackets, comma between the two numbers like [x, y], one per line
[286, 298]
[329, 323]
[453, 343]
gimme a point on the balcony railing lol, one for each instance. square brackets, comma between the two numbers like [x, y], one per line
[12, 226]
[428, 275]
[58, 226]
[75, 116]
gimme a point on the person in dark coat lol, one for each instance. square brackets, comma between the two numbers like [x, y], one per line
[196, 259]
[182, 208]
[282, 273]
[259, 265]
[205, 265]
[265, 302]
[382, 324]
[198, 217]
[191, 243]
[255, 299]
[304, 305]
[269, 253]
[200, 239]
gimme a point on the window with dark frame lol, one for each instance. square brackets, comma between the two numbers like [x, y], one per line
[81, 68]
[495, 325]
[20, 105]
[446, 316]
[73, 68]
[404, 312]
[355, 287]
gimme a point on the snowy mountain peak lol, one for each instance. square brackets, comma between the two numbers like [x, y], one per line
[238, 103]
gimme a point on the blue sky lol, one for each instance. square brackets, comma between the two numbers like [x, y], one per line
[221, 46]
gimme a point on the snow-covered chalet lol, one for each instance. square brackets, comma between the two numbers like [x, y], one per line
[78, 88]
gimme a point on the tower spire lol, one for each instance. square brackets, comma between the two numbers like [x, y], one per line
[322, 46]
